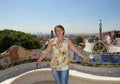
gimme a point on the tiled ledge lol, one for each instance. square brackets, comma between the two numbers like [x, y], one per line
[17, 70]
[33, 76]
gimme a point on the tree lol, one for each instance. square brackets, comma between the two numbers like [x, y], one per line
[11, 37]
[78, 40]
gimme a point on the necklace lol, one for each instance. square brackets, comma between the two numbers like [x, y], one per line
[59, 42]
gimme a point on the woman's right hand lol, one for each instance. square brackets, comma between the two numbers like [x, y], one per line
[39, 61]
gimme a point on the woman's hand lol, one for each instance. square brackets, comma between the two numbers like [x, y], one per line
[39, 61]
[85, 59]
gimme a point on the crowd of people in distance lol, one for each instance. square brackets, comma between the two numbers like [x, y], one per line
[112, 38]
[109, 38]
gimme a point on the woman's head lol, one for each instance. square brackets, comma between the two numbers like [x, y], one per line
[59, 29]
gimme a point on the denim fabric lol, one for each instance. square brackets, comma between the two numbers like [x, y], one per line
[61, 77]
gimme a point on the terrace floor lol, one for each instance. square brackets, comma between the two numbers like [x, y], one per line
[45, 82]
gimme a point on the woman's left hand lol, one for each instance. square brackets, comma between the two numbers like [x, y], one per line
[85, 59]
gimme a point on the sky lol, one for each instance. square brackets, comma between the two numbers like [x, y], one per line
[76, 16]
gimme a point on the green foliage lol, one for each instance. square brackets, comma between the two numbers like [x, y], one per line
[91, 39]
[78, 40]
[11, 37]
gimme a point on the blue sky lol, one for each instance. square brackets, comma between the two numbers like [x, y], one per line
[77, 16]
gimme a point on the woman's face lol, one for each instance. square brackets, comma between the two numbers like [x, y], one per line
[59, 31]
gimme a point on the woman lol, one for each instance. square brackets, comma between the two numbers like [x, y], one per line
[60, 60]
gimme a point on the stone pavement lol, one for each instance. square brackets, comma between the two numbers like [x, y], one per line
[40, 76]
[45, 82]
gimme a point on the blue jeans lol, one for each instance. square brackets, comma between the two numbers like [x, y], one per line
[61, 77]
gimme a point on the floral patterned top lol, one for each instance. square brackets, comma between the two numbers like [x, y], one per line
[59, 60]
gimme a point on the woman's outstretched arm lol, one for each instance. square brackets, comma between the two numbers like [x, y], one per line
[47, 50]
[72, 47]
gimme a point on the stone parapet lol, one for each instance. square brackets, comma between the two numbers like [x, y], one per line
[20, 69]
